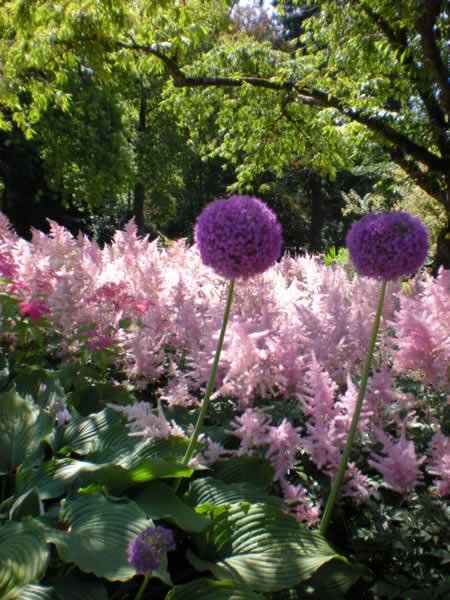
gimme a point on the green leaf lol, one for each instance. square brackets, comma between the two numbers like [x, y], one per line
[159, 501]
[261, 547]
[216, 492]
[54, 477]
[209, 589]
[100, 531]
[333, 580]
[245, 469]
[23, 427]
[65, 588]
[82, 435]
[28, 504]
[37, 592]
[23, 557]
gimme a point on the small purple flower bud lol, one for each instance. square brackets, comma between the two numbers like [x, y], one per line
[146, 550]
[387, 245]
[238, 236]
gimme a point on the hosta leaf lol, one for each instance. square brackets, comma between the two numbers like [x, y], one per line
[245, 469]
[54, 477]
[82, 435]
[23, 557]
[37, 592]
[333, 580]
[261, 547]
[23, 427]
[28, 504]
[209, 589]
[216, 492]
[134, 451]
[65, 588]
[100, 531]
[159, 501]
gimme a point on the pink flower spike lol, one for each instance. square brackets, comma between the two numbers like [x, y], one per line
[398, 463]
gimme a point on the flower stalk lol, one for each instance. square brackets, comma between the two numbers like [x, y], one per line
[337, 482]
[141, 590]
[212, 377]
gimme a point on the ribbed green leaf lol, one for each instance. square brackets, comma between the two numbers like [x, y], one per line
[82, 435]
[65, 588]
[212, 589]
[100, 530]
[216, 492]
[134, 450]
[245, 469]
[23, 427]
[159, 501]
[37, 592]
[261, 547]
[23, 557]
[104, 437]
[28, 504]
[54, 477]
[333, 580]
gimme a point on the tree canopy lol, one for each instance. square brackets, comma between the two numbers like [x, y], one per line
[352, 79]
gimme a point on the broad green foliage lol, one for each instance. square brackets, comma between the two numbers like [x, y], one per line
[100, 530]
[23, 557]
[23, 427]
[260, 546]
[86, 147]
[205, 589]
[159, 501]
[96, 487]
[66, 588]
[216, 492]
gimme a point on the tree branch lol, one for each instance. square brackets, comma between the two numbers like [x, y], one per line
[399, 40]
[424, 180]
[310, 96]
[381, 127]
[425, 25]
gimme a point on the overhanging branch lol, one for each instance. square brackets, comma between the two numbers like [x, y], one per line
[310, 96]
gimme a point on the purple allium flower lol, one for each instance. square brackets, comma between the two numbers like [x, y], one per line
[238, 236]
[146, 550]
[387, 245]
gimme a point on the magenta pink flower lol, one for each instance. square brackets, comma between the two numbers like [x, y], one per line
[33, 309]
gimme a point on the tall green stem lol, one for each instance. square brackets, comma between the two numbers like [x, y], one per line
[336, 485]
[143, 585]
[212, 376]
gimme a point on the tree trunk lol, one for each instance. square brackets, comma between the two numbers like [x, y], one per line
[139, 190]
[317, 216]
[442, 256]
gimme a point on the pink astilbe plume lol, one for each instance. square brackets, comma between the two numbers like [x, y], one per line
[174, 306]
[297, 503]
[143, 422]
[439, 462]
[422, 328]
[319, 409]
[398, 462]
[283, 444]
[252, 428]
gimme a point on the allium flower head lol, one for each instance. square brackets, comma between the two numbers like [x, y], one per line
[387, 245]
[147, 549]
[238, 237]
